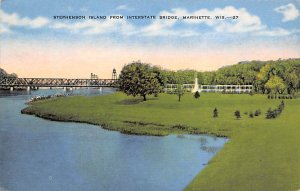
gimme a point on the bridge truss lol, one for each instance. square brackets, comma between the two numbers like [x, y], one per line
[56, 82]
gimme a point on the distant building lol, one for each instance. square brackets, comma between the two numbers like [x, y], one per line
[228, 88]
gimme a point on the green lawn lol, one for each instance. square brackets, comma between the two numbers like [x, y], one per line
[261, 155]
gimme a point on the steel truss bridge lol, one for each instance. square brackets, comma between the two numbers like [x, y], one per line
[33, 83]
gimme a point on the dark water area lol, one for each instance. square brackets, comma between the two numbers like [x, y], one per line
[37, 154]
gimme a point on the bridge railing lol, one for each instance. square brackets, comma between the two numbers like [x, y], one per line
[57, 82]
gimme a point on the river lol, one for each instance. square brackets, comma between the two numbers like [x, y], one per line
[42, 155]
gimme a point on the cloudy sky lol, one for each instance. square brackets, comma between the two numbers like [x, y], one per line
[34, 44]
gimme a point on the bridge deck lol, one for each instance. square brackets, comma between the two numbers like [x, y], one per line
[56, 82]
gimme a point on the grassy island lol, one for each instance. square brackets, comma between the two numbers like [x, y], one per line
[262, 154]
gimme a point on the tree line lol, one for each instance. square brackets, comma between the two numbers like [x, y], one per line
[280, 76]
[4, 74]
[268, 77]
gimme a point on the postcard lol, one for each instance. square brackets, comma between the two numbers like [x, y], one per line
[150, 95]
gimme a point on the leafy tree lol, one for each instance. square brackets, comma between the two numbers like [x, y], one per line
[263, 76]
[138, 79]
[160, 75]
[292, 81]
[197, 95]
[237, 114]
[215, 113]
[275, 84]
[179, 91]
[4, 74]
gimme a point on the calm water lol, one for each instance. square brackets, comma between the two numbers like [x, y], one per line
[36, 154]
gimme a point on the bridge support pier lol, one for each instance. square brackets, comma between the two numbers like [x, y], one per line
[28, 88]
[11, 89]
[100, 89]
[65, 89]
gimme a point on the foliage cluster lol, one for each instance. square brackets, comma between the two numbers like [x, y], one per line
[4, 74]
[280, 76]
[267, 77]
[139, 79]
[197, 95]
[272, 114]
[215, 113]
[237, 114]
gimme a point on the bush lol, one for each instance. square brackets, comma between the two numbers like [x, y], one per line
[215, 113]
[272, 114]
[285, 96]
[281, 105]
[237, 114]
[251, 115]
[197, 95]
[257, 112]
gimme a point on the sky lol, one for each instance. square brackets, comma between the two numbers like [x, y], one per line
[35, 44]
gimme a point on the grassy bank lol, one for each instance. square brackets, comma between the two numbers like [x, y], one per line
[261, 154]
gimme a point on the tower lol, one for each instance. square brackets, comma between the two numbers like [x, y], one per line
[114, 74]
[196, 85]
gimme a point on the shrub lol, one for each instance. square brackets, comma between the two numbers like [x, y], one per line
[272, 114]
[197, 95]
[257, 112]
[215, 113]
[251, 115]
[237, 114]
[281, 105]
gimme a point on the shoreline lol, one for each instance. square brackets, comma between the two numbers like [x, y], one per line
[253, 141]
[50, 117]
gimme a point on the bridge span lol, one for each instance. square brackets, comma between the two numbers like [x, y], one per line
[32, 83]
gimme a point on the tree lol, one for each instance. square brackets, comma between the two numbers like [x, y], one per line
[215, 113]
[197, 95]
[138, 79]
[263, 76]
[179, 91]
[237, 114]
[292, 82]
[275, 84]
